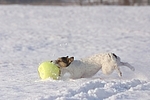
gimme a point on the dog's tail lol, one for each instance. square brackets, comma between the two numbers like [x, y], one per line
[128, 65]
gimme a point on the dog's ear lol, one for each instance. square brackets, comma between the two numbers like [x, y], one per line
[71, 59]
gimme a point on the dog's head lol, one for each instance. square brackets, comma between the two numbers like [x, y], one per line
[64, 61]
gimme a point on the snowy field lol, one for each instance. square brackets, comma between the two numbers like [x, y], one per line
[30, 35]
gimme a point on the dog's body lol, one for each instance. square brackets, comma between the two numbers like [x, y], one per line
[80, 69]
[88, 67]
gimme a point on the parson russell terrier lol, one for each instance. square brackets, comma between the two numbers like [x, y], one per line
[88, 67]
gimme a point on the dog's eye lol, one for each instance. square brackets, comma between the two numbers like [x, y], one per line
[59, 60]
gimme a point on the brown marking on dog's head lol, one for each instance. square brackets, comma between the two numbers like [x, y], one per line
[64, 61]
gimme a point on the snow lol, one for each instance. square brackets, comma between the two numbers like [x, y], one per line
[30, 35]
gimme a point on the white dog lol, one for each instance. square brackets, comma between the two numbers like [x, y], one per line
[88, 67]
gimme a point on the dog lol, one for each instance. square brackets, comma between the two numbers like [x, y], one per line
[88, 67]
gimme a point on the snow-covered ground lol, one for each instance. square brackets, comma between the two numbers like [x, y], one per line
[30, 35]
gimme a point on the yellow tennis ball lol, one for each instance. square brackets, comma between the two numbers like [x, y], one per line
[48, 70]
